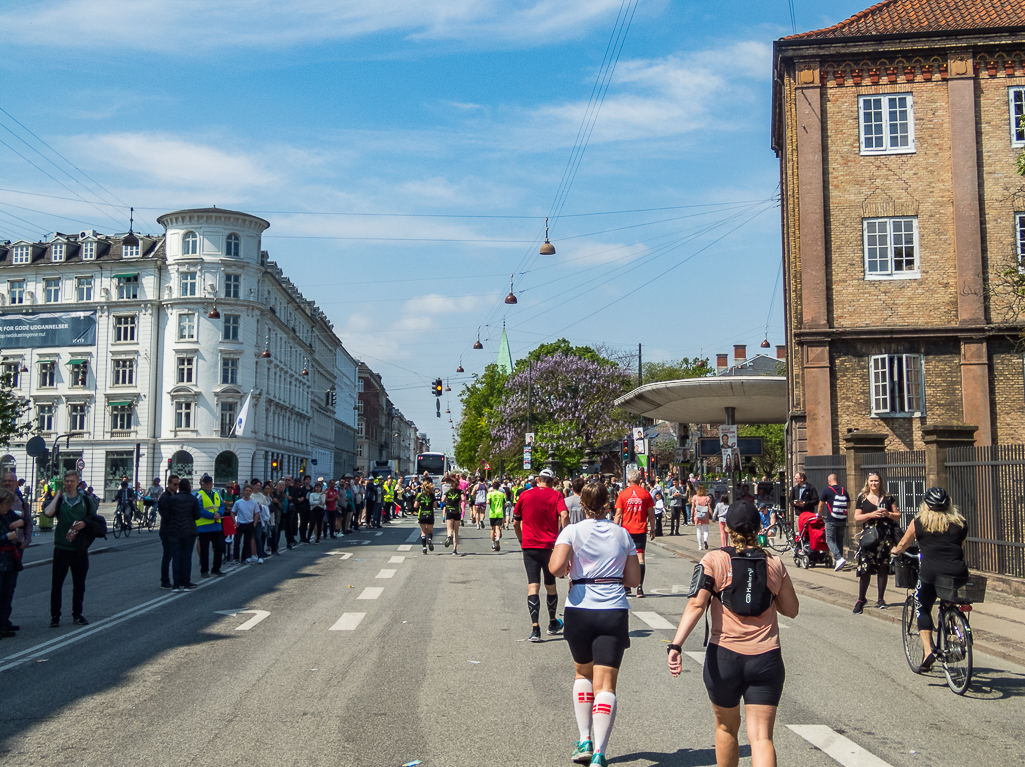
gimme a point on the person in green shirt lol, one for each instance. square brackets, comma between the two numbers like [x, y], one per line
[71, 508]
[496, 513]
[423, 504]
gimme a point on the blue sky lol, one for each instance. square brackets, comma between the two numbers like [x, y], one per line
[461, 115]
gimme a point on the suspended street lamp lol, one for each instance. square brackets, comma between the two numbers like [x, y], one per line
[266, 349]
[511, 298]
[477, 344]
[214, 314]
[547, 249]
[765, 344]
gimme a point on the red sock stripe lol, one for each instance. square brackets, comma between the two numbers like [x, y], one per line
[602, 708]
[585, 697]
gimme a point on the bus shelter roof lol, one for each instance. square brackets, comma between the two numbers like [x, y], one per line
[756, 399]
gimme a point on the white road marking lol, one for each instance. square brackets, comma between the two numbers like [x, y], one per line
[380, 533]
[346, 555]
[696, 656]
[258, 615]
[348, 622]
[371, 592]
[836, 746]
[363, 543]
[386, 574]
[654, 620]
[406, 547]
[396, 560]
[413, 536]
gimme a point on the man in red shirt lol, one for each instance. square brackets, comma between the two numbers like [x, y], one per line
[635, 511]
[537, 521]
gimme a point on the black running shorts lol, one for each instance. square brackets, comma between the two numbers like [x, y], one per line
[453, 514]
[497, 521]
[640, 540]
[428, 520]
[597, 636]
[730, 676]
[536, 562]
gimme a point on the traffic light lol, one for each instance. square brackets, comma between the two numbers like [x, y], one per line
[274, 464]
[626, 448]
[168, 464]
[437, 387]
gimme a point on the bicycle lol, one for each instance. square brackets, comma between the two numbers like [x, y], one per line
[952, 645]
[120, 525]
[781, 536]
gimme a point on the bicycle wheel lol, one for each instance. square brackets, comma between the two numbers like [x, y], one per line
[115, 526]
[913, 650]
[128, 525]
[777, 539]
[957, 654]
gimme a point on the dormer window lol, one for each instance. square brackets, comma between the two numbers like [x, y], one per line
[22, 254]
[88, 251]
[234, 247]
[130, 251]
[58, 251]
[190, 244]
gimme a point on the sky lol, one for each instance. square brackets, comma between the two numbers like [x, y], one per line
[407, 153]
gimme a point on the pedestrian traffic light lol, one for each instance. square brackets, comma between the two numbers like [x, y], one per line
[626, 448]
[168, 464]
[437, 387]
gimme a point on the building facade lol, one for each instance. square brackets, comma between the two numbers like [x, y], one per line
[897, 133]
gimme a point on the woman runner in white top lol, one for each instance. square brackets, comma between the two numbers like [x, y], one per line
[601, 559]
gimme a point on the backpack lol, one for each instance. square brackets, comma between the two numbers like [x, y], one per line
[748, 593]
[841, 501]
[482, 494]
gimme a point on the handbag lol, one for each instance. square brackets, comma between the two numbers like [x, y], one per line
[870, 538]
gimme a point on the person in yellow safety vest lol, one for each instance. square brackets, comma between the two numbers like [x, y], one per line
[211, 511]
[389, 499]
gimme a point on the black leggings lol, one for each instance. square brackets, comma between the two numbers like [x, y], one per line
[536, 562]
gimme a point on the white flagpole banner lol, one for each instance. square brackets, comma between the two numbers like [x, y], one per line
[240, 422]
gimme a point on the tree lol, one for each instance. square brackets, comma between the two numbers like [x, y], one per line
[480, 399]
[774, 453]
[674, 371]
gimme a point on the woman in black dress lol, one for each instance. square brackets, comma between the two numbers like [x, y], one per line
[880, 516]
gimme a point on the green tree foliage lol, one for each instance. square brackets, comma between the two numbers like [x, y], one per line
[774, 443]
[12, 410]
[480, 399]
[562, 346]
[674, 371]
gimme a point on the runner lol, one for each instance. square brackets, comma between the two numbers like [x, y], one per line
[536, 522]
[424, 504]
[452, 500]
[464, 488]
[635, 511]
[496, 513]
[600, 558]
[480, 504]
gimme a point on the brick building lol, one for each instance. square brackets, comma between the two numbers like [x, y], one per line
[897, 133]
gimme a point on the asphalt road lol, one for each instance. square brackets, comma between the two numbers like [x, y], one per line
[435, 667]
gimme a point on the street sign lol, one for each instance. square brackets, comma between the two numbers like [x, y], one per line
[526, 463]
[631, 467]
[80, 464]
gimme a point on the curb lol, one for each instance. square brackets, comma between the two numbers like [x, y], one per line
[983, 641]
[92, 552]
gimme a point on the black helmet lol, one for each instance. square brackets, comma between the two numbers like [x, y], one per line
[936, 498]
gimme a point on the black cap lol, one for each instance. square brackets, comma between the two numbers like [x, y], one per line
[741, 514]
[206, 478]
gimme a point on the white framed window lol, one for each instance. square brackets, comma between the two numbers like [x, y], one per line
[16, 291]
[361, 428]
[234, 246]
[183, 415]
[1019, 237]
[88, 251]
[52, 291]
[186, 327]
[887, 123]
[57, 251]
[22, 254]
[228, 413]
[121, 418]
[44, 417]
[360, 385]
[124, 329]
[188, 284]
[124, 372]
[127, 286]
[190, 244]
[47, 374]
[12, 372]
[359, 405]
[1016, 104]
[84, 288]
[891, 248]
[79, 374]
[76, 416]
[229, 370]
[359, 451]
[129, 251]
[898, 384]
[186, 369]
[232, 324]
[233, 286]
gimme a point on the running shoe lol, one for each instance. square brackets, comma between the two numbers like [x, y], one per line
[425, 548]
[554, 627]
[498, 545]
[430, 544]
[582, 752]
[629, 592]
[640, 593]
[492, 545]
[455, 552]
[599, 760]
[165, 586]
[448, 541]
[535, 634]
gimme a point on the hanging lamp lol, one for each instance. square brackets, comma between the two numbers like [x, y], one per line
[305, 372]
[214, 314]
[266, 350]
[511, 298]
[130, 239]
[477, 344]
[765, 344]
[460, 368]
[547, 249]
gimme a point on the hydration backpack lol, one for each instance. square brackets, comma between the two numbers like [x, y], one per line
[748, 593]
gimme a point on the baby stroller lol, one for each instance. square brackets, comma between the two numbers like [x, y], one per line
[810, 548]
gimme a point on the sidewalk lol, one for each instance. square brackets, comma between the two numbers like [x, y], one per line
[998, 625]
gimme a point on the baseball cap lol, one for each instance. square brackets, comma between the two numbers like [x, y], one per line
[531, 478]
[547, 474]
[742, 514]
[206, 478]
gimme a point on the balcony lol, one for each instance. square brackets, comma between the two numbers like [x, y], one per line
[122, 434]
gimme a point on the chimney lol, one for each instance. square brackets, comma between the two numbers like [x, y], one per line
[739, 353]
[721, 362]
[781, 352]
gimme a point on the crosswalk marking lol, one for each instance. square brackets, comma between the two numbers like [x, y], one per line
[380, 533]
[396, 560]
[405, 547]
[836, 746]
[695, 656]
[348, 622]
[371, 592]
[413, 536]
[346, 555]
[654, 620]
[386, 574]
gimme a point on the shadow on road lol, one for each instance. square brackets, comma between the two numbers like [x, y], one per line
[684, 757]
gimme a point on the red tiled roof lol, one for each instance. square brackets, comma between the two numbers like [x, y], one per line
[915, 16]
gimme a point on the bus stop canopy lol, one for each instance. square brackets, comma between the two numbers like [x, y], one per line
[754, 399]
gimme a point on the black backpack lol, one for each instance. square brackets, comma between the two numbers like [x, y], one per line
[748, 593]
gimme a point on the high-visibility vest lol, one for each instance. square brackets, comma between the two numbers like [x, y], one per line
[389, 492]
[212, 505]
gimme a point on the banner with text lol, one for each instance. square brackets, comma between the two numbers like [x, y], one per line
[33, 331]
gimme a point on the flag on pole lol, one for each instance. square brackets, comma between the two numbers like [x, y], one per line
[240, 422]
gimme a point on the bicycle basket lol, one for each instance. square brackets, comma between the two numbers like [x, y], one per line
[961, 591]
[906, 573]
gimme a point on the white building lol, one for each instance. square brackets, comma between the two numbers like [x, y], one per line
[145, 354]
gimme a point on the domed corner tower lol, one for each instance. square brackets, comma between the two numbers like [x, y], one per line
[212, 234]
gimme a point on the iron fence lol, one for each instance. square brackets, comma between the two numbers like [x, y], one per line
[817, 469]
[903, 476]
[988, 485]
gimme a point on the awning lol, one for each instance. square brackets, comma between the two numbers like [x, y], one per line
[756, 399]
[120, 403]
[76, 362]
[126, 275]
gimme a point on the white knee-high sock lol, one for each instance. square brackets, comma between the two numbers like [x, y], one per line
[583, 702]
[603, 716]
[697, 531]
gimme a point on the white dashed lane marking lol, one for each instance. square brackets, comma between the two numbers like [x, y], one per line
[371, 592]
[654, 620]
[405, 547]
[396, 560]
[346, 555]
[348, 622]
[699, 657]
[380, 533]
[386, 574]
[836, 746]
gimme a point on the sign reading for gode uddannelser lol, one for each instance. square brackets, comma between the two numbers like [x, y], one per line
[33, 331]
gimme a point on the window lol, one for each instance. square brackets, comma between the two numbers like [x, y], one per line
[190, 244]
[84, 287]
[887, 124]
[183, 415]
[186, 327]
[44, 417]
[124, 329]
[231, 326]
[359, 451]
[234, 248]
[229, 370]
[16, 291]
[22, 254]
[57, 252]
[52, 291]
[188, 284]
[124, 372]
[897, 384]
[361, 428]
[891, 248]
[12, 372]
[1016, 97]
[227, 418]
[129, 251]
[186, 369]
[120, 417]
[233, 286]
[76, 417]
[360, 384]
[359, 404]
[47, 374]
[1019, 227]
[128, 286]
[88, 251]
[79, 374]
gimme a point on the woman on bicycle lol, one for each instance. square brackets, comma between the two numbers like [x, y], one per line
[940, 531]
[880, 515]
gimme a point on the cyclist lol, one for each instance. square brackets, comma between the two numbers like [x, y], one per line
[152, 496]
[125, 501]
[940, 530]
